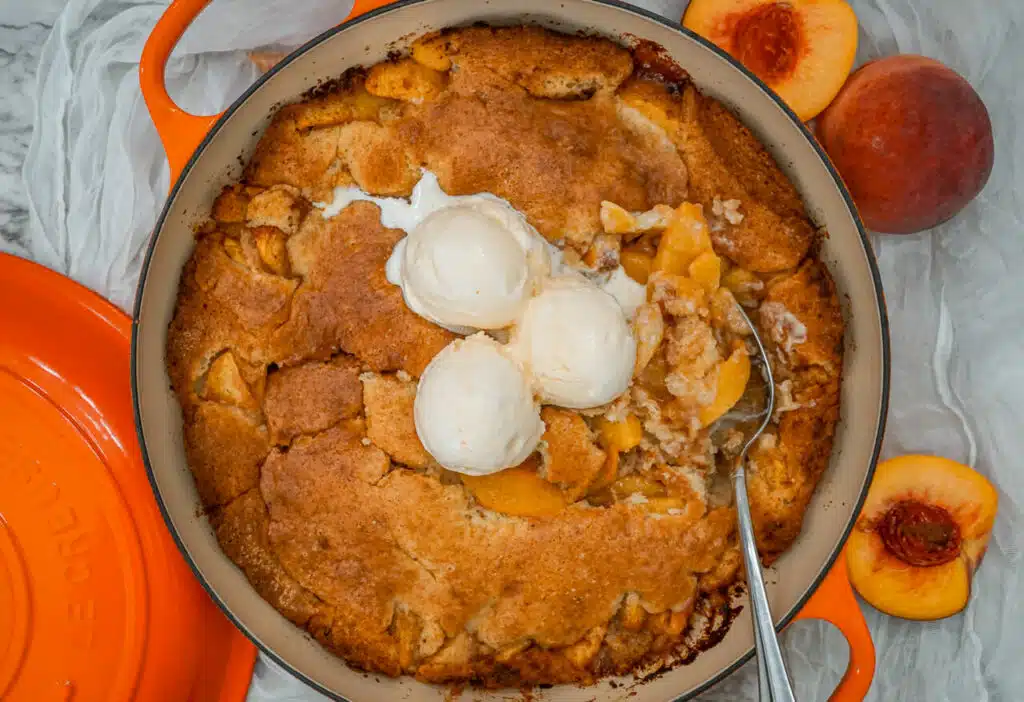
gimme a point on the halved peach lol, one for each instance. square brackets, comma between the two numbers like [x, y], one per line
[733, 376]
[920, 536]
[518, 491]
[803, 49]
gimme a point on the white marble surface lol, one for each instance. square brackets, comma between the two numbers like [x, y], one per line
[24, 25]
[19, 52]
[954, 294]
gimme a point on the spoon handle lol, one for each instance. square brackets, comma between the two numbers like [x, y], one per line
[771, 666]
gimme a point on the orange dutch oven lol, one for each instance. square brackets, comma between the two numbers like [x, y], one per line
[808, 581]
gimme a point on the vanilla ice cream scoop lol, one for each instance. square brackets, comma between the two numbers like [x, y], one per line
[575, 341]
[470, 265]
[475, 411]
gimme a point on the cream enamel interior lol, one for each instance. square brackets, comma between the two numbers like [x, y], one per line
[368, 42]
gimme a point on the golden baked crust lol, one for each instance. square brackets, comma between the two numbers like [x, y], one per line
[785, 471]
[554, 161]
[311, 397]
[345, 301]
[390, 424]
[726, 162]
[572, 458]
[295, 361]
[544, 64]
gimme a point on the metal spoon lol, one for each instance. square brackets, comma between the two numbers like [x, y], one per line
[750, 417]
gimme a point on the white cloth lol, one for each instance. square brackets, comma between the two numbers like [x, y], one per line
[96, 179]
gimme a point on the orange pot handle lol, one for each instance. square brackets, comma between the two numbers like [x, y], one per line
[361, 7]
[182, 132]
[835, 602]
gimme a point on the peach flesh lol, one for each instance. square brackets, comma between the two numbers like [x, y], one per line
[911, 139]
[920, 536]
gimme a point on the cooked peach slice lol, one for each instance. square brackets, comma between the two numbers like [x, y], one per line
[649, 331]
[618, 220]
[604, 252]
[920, 536]
[632, 616]
[665, 505]
[706, 269]
[634, 484]
[350, 104]
[431, 51]
[671, 623]
[404, 80]
[685, 238]
[733, 376]
[803, 49]
[279, 206]
[746, 286]
[517, 491]
[272, 246]
[617, 438]
[224, 383]
[235, 251]
[654, 219]
[626, 487]
[650, 495]
[653, 100]
[621, 435]
[608, 473]
[669, 259]
[679, 295]
[583, 651]
[637, 265]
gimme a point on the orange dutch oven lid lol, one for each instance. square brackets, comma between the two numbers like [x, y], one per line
[96, 602]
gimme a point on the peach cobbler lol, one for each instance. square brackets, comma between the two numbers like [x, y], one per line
[454, 353]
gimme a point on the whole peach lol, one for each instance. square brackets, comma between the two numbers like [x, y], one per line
[911, 139]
